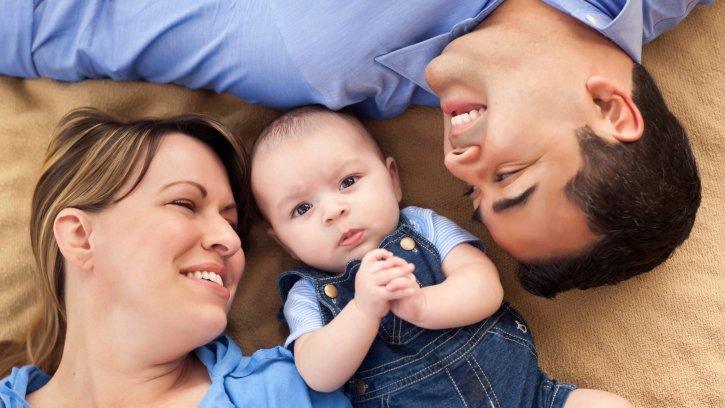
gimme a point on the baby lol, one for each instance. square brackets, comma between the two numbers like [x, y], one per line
[400, 306]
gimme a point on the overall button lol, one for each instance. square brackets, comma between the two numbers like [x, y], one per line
[330, 290]
[407, 243]
[360, 386]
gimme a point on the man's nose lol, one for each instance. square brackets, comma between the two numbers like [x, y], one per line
[462, 161]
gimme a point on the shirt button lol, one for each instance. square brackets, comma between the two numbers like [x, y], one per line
[407, 243]
[360, 386]
[330, 290]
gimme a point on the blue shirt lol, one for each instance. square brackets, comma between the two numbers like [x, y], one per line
[281, 53]
[266, 379]
[301, 309]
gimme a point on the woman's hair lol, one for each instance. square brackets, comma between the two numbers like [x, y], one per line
[90, 158]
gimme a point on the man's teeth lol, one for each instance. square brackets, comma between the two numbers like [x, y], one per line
[210, 276]
[467, 116]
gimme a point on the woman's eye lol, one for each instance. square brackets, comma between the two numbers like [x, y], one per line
[301, 209]
[188, 204]
[347, 182]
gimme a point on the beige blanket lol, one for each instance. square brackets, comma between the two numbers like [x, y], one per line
[657, 339]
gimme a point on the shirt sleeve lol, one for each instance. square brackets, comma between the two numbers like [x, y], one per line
[301, 311]
[209, 44]
[443, 233]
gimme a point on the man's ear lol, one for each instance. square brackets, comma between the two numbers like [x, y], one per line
[393, 170]
[273, 234]
[619, 115]
[72, 229]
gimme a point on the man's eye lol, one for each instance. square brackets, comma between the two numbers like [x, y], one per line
[188, 204]
[503, 176]
[347, 182]
[301, 209]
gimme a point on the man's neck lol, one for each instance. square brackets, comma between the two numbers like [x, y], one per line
[558, 34]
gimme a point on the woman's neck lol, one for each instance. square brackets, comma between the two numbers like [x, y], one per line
[96, 371]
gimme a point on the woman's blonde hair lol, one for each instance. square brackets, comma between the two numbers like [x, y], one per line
[90, 157]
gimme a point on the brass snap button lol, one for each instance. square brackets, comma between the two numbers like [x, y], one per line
[360, 386]
[407, 243]
[330, 290]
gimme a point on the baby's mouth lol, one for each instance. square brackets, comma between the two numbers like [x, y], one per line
[351, 238]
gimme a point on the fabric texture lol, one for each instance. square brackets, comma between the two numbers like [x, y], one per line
[301, 310]
[656, 339]
[275, 52]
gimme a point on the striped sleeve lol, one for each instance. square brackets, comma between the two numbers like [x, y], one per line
[301, 311]
[439, 230]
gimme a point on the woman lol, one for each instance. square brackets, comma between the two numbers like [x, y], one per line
[135, 228]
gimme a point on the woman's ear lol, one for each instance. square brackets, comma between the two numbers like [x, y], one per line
[393, 170]
[618, 116]
[72, 230]
[273, 234]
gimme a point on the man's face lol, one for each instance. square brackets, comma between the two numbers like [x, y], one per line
[510, 115]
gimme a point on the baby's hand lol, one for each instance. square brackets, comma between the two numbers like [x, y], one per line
[378, 268]
[411, 305]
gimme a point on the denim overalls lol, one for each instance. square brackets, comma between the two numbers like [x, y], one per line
[492, 363]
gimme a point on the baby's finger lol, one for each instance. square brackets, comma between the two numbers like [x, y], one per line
[395, 261]
[377, 255]
[399, 283]
[400, 294]
[386, 275]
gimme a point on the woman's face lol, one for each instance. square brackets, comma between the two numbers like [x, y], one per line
[153, 251]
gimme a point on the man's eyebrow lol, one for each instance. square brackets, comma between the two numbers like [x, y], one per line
[201, 188]
[507, 203]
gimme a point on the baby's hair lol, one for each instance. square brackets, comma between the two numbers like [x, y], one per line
[300, 122]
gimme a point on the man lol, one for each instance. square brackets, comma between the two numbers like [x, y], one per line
[577, 167]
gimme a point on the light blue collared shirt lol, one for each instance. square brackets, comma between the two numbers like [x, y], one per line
[267, 378]
[281, 53]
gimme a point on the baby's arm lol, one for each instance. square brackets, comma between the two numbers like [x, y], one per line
[328, 357]
[470, 293]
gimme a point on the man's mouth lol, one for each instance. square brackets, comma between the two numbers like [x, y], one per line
[466, 116]
[351, 237]
[463, 115]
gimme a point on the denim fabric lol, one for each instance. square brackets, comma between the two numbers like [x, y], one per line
[492, 363]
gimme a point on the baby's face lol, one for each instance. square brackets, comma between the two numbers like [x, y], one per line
[328, 195]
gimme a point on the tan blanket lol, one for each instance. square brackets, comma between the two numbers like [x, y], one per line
[657, 339]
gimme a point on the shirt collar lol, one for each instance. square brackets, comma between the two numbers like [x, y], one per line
[622, 25]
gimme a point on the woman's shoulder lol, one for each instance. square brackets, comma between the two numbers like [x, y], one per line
[268, 377]
[20, 382]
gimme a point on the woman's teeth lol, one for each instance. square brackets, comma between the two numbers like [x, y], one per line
[467, 116]
[210, 276]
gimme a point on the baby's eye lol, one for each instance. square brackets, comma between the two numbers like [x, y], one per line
[188, 204]
[301, 209]
[347, 182]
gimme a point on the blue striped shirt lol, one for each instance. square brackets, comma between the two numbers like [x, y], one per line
[301, 309]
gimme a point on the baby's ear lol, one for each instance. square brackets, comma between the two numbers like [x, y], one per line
[393, 170]
[274, 235]
[72, 230]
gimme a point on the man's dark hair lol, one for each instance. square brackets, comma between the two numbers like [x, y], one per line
[641, 198]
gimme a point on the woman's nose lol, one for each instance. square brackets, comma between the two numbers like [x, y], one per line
[221, 237]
